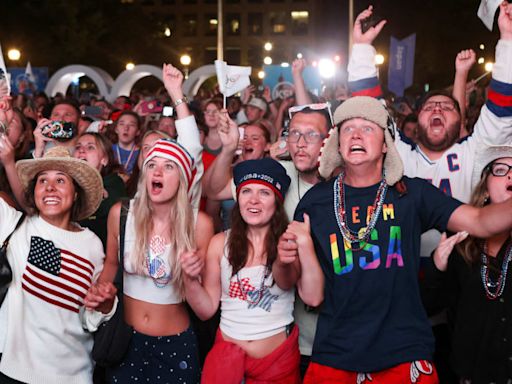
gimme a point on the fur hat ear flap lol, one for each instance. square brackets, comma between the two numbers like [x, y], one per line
[330, 157]
[393, 166]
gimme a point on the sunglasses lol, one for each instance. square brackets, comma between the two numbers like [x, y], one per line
[314, 107]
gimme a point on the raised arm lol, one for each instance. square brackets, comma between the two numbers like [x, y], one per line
[173, 82]
[464, 60]
[282, 114]
[219, 173]
[267, 96]
[7, 159]
[186, 127]
[301, 93]
[494, 125]
[362, 72]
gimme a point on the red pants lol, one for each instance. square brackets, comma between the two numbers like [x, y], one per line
[227, 363]
[418, 372]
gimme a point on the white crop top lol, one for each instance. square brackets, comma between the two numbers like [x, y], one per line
[253, 307]
[154, 286]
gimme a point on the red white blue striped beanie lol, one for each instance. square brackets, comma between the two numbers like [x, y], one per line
[171, 150]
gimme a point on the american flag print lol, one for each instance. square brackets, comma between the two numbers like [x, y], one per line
[237, 290]
[255, 298]
[262, 300]
[56, 276]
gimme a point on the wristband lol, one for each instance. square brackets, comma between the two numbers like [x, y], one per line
[184, 99]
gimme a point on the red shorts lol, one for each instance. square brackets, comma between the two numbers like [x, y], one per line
[418, 372]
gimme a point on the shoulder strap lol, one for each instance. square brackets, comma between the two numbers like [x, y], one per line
[20, 220]
[125, 203]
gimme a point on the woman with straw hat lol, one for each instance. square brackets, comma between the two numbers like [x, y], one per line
[45, 331]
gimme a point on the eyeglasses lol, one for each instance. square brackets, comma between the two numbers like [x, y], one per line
[315, 107]
[446, 106]
[310, 137]
[500, 169]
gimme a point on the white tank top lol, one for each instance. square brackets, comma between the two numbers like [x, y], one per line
[154, 286]
[253, 307]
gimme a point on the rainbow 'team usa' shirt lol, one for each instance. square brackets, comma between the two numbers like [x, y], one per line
[372, 317]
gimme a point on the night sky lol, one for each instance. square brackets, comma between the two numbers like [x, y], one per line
[94, 32]
[442, 28]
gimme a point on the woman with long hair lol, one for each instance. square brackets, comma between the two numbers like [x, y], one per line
[96, 149]
[160, 227]
[148, 140]
[472, 281]
[161, 224]
[45, 333]
[256, 339]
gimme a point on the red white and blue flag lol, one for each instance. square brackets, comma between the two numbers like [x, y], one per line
[56, 276]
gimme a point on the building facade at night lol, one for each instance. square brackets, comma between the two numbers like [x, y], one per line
[190, 26]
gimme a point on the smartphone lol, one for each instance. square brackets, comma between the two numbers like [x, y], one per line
[92, 111]
[369, 22]
[59, 130]
[167, 111]
[151, 106]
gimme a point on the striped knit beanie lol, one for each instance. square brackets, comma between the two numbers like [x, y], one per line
[171, 150]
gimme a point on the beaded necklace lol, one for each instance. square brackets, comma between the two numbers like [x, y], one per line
[341, 214]
[488, 284]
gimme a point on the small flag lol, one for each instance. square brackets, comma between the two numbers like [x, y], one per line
[5, 78]
[56, 276]
[232, 78]
[487, 10]
[29, 74]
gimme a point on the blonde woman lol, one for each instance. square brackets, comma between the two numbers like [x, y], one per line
[160, 227]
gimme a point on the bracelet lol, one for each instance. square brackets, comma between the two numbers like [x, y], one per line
[184, 99]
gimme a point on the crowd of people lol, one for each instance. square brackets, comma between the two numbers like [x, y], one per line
[351, 237]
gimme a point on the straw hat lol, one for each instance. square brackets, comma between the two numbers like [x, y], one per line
[485, 157]
[370, 109]
[59, 159]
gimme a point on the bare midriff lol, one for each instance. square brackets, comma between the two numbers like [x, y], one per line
[155, 319]
[259, 348]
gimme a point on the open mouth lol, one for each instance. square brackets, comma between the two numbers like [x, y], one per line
[357, 149]
[254, 210]
[156, 186]
[509, 188]
[436, 122]
[51, 200]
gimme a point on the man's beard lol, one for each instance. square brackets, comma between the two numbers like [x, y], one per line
[450, 138]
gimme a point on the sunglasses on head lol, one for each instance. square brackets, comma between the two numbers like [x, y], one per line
[313, 107]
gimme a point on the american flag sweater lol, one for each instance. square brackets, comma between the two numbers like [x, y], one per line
[45, 332]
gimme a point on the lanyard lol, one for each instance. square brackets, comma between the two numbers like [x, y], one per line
[125, 164]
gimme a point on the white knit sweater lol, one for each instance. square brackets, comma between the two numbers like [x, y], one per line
[44, 329]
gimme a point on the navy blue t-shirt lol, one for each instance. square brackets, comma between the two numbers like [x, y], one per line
[372, 317]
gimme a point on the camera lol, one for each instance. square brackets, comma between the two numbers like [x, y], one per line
[59, 130]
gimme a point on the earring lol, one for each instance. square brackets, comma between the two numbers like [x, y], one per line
[487, 200]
